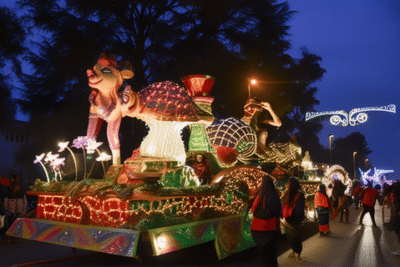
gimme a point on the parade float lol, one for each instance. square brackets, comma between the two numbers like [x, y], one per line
[153, 199]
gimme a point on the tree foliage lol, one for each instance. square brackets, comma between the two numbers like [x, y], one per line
[343, 149]
[11, 47]
[231, 40]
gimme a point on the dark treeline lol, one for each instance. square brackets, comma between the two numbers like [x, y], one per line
[231, 40]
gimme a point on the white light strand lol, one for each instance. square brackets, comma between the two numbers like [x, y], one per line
[359, 113]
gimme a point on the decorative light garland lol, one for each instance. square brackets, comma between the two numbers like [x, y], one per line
[347, 119]
[377, 178]
[336, 172]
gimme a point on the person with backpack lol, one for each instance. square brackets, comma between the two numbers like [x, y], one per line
[293, 205]
[265, 227]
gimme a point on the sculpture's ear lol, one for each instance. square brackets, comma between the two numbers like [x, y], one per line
[112, 57]
[102, 55]
[127, 74]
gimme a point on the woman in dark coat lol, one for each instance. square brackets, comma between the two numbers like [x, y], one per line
[265, 226]
[293, 205]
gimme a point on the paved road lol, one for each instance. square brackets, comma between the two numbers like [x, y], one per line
[350, 245]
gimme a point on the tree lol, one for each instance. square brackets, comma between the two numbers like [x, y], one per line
[345, 147]
[11, 47]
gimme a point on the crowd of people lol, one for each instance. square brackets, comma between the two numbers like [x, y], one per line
[275, 214]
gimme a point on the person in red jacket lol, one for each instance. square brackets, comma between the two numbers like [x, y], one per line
[323, 206]
[267, 210]
[368, 202]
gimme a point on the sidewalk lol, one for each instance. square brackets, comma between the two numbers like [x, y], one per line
[351, 244]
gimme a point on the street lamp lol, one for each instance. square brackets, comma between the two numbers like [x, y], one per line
[366, 163]
[354, 164]
[252, 82]
[330, 149]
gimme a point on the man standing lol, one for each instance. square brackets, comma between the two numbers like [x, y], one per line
[368, 202]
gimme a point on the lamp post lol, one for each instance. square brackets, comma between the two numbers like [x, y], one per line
[330, 149]
[252, 82]
[354, 164]
[366, 163]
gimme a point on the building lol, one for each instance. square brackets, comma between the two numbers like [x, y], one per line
[15, 137]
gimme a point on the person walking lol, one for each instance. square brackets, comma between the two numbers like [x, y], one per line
[394, 193]
[368, 202]
[343, 204]
[293, 205]
[323, 205]
[267, 210]
[356, 192]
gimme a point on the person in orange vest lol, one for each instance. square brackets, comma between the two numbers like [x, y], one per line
[267, 210]
[323, 205]
[368, 202]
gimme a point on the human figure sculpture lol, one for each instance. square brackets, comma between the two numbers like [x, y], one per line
[252, 111]
[164, 106]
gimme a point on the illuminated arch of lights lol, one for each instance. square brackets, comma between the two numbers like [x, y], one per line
[336, 172]
[377, 178]
[354, 117]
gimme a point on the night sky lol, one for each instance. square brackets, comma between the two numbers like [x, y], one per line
[359, 45]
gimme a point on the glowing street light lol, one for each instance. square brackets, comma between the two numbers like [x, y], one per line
[354, 164]
[330, 149]
[252, 82]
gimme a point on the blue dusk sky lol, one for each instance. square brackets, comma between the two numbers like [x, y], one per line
[358, 42]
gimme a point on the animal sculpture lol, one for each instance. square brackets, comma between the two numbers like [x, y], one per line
[164, 106]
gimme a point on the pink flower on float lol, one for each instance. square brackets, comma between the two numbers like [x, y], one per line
[39, 158]
[104, 157]
[57, 162]
[63, 146]
[80, 142]
[50, 157]
[92, 145]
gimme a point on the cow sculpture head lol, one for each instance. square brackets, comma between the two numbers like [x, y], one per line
[106, 77]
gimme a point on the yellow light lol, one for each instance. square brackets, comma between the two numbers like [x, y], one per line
[161, 242]
[253, 81]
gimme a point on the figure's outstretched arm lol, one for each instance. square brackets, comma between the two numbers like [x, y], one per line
[275, 119]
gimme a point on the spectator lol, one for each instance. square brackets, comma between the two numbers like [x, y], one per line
[338, 192]
[267, 210]
[323, 205]
[16, 199]
[356, 192]
[6, 217]
[368, 201]
[394, 192]
[293, 205]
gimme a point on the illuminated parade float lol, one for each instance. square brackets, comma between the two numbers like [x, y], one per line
[154, 199]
